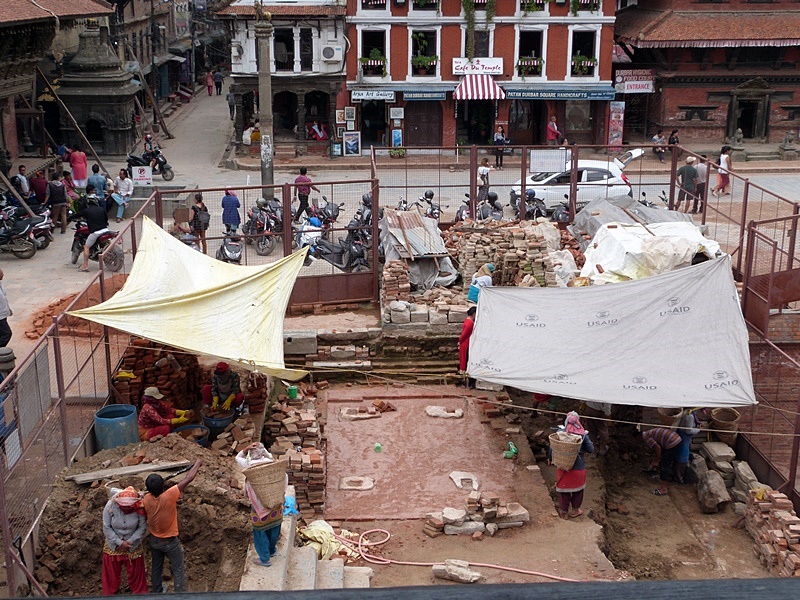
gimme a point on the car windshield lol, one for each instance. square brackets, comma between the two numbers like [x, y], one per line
[541, 176]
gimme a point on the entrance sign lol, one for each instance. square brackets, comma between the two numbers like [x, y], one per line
[638, 87]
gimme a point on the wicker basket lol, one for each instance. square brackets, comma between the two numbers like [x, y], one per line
[564, 449]
[726, 419]
[669, 415]
[268, 482]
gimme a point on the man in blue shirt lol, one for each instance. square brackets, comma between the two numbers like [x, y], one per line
[99, 182]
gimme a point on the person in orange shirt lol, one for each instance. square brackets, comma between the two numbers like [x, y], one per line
[161, 508]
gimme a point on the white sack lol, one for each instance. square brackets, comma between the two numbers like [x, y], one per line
[674, 340]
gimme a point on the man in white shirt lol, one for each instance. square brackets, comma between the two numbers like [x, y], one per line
[5, 312]
[123, 190]
[702, 184]
[24, 184]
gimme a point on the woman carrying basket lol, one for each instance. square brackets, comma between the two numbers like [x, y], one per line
[570, 484]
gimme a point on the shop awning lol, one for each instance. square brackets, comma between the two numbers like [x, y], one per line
[181, 46]
[478, 87]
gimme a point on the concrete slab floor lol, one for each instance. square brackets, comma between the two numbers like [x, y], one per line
[418, 452]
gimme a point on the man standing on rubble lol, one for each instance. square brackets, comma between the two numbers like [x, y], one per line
[162, 519]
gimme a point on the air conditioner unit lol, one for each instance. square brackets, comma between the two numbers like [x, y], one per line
[332, 54]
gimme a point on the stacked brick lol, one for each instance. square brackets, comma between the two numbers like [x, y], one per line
[570, 243]
[236, 437]
[297, 434]
[256, 393]
[176, 374]
[483, 512]
[771, 521]
[396, 283]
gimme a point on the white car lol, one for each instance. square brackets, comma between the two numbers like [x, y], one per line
[596, 179]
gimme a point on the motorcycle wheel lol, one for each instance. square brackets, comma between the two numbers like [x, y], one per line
[42, 242]
[28, 251]
[168, 174]
[265, 245]
[114, 260]
[77, 250]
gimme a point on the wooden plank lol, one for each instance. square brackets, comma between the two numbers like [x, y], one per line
[82, 478]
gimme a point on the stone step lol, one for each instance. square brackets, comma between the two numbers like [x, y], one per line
[357, 577]
[766, 155]
[302, 571]
[330, 574]
[272, 578]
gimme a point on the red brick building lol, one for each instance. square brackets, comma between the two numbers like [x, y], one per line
[516, 61]
[720, 66]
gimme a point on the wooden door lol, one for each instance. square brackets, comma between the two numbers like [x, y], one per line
[423, 123]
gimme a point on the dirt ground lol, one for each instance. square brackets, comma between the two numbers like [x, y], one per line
[643, 537]
[213, 519]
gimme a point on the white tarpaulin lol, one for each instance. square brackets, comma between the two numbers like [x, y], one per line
[183, 298]
[673, 340]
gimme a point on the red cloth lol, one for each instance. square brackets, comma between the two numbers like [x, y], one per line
[79, 164]
[154, 414]
[205, 391]
[112, 573]
[570, 481]
[149, 433]
[552, 131]
[463, 343]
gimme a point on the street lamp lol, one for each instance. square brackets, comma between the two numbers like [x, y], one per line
[264, 30]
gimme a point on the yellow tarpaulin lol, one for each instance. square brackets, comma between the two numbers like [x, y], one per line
[183, 298]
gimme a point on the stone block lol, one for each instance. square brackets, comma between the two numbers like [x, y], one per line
[343, 352]
[510, 525]
[400, 316]
[711, 491]
[516, 512]
[456, 570]
[717, 451]
[453, 516]
[457, 314]
[491, 528]
[419, 314]
[436, 317]
[723, 467]
[744, 473]
[300, 342]
[467, 528]
[738, 495]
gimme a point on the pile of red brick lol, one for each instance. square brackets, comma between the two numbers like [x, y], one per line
[236, 437]
[307, 475]
[175, 373]
[396, 284]
[256, 394]
[771, 521]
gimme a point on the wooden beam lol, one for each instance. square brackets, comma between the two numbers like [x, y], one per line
[71, 118]
[47, 133]
[24, 204]
[735, 52]
[84, 478]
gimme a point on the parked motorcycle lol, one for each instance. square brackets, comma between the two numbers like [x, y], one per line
[191, 241]
[663, 197]
[349, 254]
[534, 207]
[327, 213]
[433, 210]
[263, 219]
[42, 225]
[16, 236]
[463, 214]
[162, 167]
[113, 260]
[230, 251]
[490, 208]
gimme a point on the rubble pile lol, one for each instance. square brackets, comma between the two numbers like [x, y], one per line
[213, 519]
[483, 512]
[570, 243]
[236, 437]
[176, 374]
[771, 520]
[297, 433]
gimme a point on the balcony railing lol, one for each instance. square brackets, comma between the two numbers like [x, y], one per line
[530, 65]
[373, 4]
[375, 67]
[425, 4]
[583, 66]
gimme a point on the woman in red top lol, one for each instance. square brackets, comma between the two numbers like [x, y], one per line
[157, 418]
[463, 342]
[80, 166]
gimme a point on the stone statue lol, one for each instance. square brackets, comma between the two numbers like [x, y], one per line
[738, 137]
[788, 139]
[261, 14]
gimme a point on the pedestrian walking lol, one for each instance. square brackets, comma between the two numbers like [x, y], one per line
[723, 173]
[570, 484]
[218, 79]
[483, 180]
[210, 83]
[160, 505]
[5, 312]
[499, 146]
[302, 188]
[659, 142]
[124, 528]
[79, 165]
[200, 220]
[230, 211]
[665, 444]
[687, 183]
[702, 185]
[231, 103]
[553, 135]
[56, 197]
[597, 425]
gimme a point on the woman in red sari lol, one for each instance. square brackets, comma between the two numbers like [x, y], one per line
[570, 484]
[463, 343]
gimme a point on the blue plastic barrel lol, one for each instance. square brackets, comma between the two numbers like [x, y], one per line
[116, 425]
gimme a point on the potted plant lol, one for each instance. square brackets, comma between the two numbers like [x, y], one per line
[424, 64]
[374, 64]
[529, 6]
[397, 152]
[529, 65]
[581, 65]
[576, 5]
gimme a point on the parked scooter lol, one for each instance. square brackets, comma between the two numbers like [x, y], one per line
[349, 254]
[534, 207]
[162, 167]
[433, 211]
[327, 213]
[663, 197]
[113, 260]
[16, 237]
[264, 219]
[490, 208]
[230, 251]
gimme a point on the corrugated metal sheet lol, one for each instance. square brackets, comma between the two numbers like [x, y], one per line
[420, 237]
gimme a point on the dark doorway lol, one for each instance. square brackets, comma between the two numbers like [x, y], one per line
[475, 122]
[284, 106]
[423, 123]
[746, 119]
[526, 122]
[373, 123]
[94, 133]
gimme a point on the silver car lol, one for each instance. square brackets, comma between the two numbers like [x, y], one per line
[596, 179]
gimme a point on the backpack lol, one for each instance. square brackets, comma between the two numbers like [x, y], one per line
[202, 217]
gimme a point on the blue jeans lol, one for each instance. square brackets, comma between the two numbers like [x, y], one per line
[266, 542]
[172, 549]
[121, 202]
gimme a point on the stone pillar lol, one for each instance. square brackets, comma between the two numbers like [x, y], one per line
[296, 67]
[264, 31]
[301, 116]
